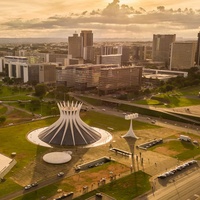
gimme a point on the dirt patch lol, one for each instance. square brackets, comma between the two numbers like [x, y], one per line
[165, 151]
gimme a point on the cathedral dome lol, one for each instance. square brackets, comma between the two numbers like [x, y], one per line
[69, 129]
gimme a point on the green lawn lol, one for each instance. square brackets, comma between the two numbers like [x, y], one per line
[10, 94]
[44, 108]
[182, 101]
[125, 188]
[3, 109]
[182, 150]
[176, 98]
[9, 186]
[194, 90]
[103, 121]
[13, 139]
[91, 101]
[148, 102]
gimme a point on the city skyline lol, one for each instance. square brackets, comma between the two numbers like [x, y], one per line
[106, 18]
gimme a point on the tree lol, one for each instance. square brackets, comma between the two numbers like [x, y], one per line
[35, 104]
[40, 90]
[2, 119]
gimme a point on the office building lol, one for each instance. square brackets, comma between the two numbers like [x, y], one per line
[1, 64]
[125, 52]
[112, 79]
[66, 75]
[161, 48]
[107, 50]
[139, 53]
[42, 73]
[75, 46]
[58, 58]
[87, 36]
[197, 56]
[47, 73]
[88, 54]
[182, 55]
[16, 67]
[81, 76]
[109, 59]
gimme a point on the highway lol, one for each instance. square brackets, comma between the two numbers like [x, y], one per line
[186, 188]
[186, 127]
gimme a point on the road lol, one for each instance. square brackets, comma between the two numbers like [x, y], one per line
[186, 188]
[185, 127]
[173, 112]
[41, 184]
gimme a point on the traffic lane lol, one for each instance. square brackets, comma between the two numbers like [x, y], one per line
[152, 120]
[184, 188]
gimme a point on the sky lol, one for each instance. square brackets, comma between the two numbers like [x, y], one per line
[106, 18]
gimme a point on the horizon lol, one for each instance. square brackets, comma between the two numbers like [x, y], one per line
[62, 39]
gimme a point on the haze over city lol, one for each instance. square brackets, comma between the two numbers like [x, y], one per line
[108, 19]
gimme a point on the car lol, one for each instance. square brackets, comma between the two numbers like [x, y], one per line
[186, 164]
[179, 168]
[183, 166]
[27, 187]
[34, 184]
[98, 194]
[68, 194]
[168, 173]
[60, 174]
[195, 142]
[173, 170]
[193, 161]
[162, 176]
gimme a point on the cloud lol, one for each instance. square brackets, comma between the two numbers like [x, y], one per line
[115, 18]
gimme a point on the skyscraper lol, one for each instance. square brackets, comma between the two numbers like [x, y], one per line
[75, 46]
[161, 47]
[88, 49]
[87, 38]
[182, 55]
[197, 57]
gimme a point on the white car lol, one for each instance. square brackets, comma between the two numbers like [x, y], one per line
[27, 187]
[60, 174]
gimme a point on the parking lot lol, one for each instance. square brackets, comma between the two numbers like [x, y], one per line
[185, 167]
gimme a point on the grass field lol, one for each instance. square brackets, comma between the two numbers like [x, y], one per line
[28, 153]
[170, 100]
[176, 98]
[11, 93]
[117, 123]
[30, 165]
[125, 188]
[178, 149]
